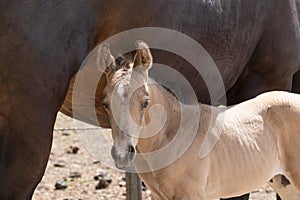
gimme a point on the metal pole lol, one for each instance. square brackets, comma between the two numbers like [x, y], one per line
[133, 187]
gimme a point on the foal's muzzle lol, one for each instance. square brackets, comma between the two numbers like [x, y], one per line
[123, 157]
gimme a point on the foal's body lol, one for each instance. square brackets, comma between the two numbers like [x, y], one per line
[264, 131]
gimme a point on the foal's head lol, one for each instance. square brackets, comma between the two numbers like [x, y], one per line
[126, 100]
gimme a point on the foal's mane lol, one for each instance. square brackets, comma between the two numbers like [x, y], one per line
[169, 91]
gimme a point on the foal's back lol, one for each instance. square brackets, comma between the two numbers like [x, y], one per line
[265, 132]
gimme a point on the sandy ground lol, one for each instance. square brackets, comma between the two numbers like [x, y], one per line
[78, 168]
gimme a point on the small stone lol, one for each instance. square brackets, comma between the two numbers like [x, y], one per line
[102, 184]
[101, 174]
[122, 184]
[73, 150]
[75, 175]
[65, 134]
[123, 178]
[60, 163]
[60, 185]
[108, 179]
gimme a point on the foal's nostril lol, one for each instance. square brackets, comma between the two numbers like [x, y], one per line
[131, 149]
[131, 153]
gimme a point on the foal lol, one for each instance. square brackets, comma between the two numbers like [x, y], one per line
[264, 131]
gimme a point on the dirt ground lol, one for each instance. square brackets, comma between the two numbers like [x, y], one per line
[70, 162]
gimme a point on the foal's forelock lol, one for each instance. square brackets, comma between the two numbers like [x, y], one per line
[125, 82]
[120, 75]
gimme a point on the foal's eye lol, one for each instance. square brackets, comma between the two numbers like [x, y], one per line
[145, 104]
[105, 105]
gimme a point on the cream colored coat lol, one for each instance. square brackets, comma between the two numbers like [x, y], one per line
[259, 139]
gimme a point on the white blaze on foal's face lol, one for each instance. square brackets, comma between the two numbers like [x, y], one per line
[123, 85]
[120, 90]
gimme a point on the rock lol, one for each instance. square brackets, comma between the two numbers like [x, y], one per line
[122, 183]
[108, 179]
[96, 178]
[101, 174]
[60, 163]
[102, 184]
[65, 134]
[75, 175]
[61, 185]
[73, 150]
[103, 179]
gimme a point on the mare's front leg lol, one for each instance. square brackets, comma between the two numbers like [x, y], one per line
[26, 125]
[30, 97]
[25, 143]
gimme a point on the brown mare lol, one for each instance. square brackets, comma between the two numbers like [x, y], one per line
[264, 131]
[254, 43]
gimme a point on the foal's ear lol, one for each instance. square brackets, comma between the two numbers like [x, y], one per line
[105, 61]
[143, 57]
